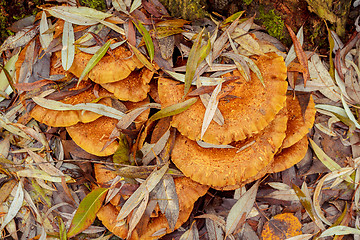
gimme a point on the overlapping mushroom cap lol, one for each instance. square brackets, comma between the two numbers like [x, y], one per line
[188, 192]
[252, 109]
[133, 88]
[111, 68]
[230, 167]
[298, 126]
[55, 118]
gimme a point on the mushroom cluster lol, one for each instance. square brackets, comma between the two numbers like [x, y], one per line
[263, 132]
[118, 76]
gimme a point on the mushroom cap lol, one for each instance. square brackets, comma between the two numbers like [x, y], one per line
[252, 109]
[188, 192]
[221, 168]
[108, 69]
[288, 157]
[56, 118]
[133, 88]
[93, 136]
[298, 126]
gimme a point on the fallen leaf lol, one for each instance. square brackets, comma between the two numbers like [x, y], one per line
[68, 49]
[138, 213]
[87, 210]
[173, 109]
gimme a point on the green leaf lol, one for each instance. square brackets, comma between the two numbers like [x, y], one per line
[142, 58]
[233, 17]
[6, 76]
[95, 59]
[121, 156]
[68, 49]
[173, 109]
[193, 62]
[87, 210]
[325, 159]
[147, 38]
[62, 229]
[304, 201]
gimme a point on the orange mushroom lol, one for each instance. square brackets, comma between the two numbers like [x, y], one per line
[298, 126]
[252, 109]
[110, 68]
[188, 192]
[133, 88]
[221, 168]
[56, 118]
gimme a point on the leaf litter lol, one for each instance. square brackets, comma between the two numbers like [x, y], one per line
[30, 176]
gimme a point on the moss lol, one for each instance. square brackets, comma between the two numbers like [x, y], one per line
[272, 22]
[186, 9]
[97, 4]
[247, 2]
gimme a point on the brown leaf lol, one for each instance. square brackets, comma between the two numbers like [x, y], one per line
[300, 55]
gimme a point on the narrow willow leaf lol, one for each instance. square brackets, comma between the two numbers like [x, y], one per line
[340, 230]
[147, 186]
[12, 127]
[14, 207]
[36, 173]
[156, 149]
[209, 145]
[305, 202]
[45, 38]
[135, 5]
[142, 58]
[133, 114]
[210, 109]
[255, 69]
[337, 111]
[325, 159]
[240, 208]
[247, 42]
[137, 214]
[191, 234]
[120, 6]
[21, 38]
[92, 107]
[147, 38]
[4, 78]
[192, 62]
[87, 210]
[113, 26]
[233, 17]
[44, 165]
[68, 49]
[348, 112]
[94, 60]
[168, 200]
[173, 109]
[62, 229]
[77, 15]
[205, 81]
[291, 54]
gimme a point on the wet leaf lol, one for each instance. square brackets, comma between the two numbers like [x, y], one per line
[87, 210]
[138, 213]
[147, 186]
[68, 49]
[173, 109]
[168, 200]
[142, 58]
[300, 54]
[240, 209]
[14, 207]
[147, 38]
[77, 15]
[95, 60]
[210, 109]
[36, 173]
[92, 107]
[20, 39]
